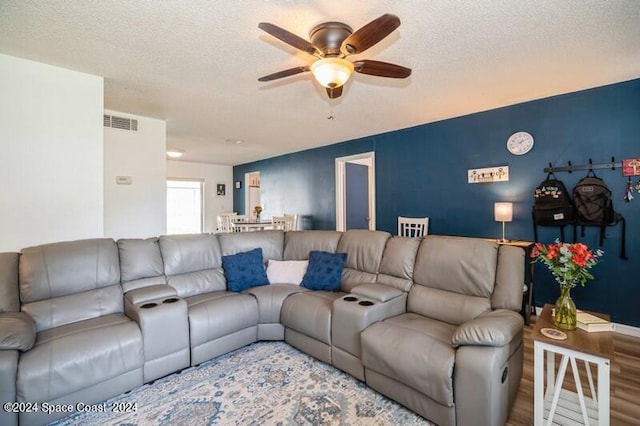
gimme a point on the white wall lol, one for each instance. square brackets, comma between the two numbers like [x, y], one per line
[51, 161]
[138, 210]
[212, 174]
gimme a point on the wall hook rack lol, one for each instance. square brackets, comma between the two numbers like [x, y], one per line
[591, 166]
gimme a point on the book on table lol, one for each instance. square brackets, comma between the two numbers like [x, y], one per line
[592, 323]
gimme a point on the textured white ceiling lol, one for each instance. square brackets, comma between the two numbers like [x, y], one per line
[195, 63]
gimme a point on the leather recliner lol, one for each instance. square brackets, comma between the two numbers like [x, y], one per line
[86, 348]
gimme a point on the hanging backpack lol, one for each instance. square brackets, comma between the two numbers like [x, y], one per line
[594, 207]
[552, 205]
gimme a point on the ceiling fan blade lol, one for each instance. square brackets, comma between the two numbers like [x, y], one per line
[284, 73]
[381, 69]
[289, 38]
[335, 92]
[370, 34]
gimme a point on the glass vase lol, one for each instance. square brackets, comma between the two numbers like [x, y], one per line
[565, 310]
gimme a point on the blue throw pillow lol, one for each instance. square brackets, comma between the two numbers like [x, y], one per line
[324, 271]
[244, 270]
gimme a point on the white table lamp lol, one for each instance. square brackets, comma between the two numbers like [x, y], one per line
[503, 212]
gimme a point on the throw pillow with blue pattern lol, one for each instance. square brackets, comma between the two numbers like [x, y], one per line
[244, 270]
[324, 271]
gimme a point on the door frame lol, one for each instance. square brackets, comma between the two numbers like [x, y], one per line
[368, 159]
[247, 208]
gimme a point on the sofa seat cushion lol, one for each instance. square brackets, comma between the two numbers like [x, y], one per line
[309, 313]
[270, 299]
[72, 357]
[220, 313]
[413, 350]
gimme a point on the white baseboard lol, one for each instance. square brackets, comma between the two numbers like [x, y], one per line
[627, 330]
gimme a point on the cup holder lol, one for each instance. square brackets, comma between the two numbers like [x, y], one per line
[149, 305]
[170, 300]
[365, 303]
[350, 299]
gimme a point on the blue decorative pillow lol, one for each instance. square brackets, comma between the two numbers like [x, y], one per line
[244, 270]
[324, 271]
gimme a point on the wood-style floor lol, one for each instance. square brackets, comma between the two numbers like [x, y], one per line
[625, 383]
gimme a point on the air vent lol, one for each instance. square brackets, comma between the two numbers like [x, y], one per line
[120, 123]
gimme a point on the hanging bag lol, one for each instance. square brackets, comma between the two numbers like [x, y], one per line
[594, 207]
[552, 205]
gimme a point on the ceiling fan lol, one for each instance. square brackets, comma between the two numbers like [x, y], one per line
[331, 43]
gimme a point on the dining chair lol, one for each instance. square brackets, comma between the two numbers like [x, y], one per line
[294, 225]
[282, 222]
[413, 226]
[223, 222]
[238, 220]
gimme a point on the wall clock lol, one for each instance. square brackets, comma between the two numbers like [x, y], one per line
[520, 143]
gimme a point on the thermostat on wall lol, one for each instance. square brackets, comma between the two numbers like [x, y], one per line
[124, 180]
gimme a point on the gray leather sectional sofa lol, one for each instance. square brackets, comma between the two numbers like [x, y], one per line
[432, 323]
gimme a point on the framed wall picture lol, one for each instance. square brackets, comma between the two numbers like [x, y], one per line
[221, 189]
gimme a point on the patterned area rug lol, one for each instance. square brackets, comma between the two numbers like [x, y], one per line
[266, 383]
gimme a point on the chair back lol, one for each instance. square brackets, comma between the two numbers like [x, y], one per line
[294, 226]
[413, 226]
[237, 221]
[224, 222]
[284, 223]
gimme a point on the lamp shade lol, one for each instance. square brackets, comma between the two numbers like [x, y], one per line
[503, 212]
[332, 72]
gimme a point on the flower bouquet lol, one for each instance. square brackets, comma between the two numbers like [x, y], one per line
[257, 210]
[569, 264]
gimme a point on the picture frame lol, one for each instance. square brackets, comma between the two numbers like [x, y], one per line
[221, 189]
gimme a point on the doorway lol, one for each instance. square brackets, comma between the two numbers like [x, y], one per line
[355, 192]
[185, 206]
[252, 193]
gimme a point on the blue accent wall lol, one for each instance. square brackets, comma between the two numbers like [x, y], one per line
[422, 171]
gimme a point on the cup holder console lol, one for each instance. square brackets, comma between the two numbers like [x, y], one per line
[350, 299]
[170, 300]
[149, 305]
[365, 303]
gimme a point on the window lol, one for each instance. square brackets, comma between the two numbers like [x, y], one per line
[184, 206]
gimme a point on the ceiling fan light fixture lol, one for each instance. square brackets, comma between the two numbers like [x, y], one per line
[332, 72]
[175, 153]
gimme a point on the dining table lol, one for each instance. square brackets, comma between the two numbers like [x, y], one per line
[248, 226]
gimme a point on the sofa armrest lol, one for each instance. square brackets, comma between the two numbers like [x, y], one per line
[496, 328]
[379, 292]
[17, 331]
[144, 294]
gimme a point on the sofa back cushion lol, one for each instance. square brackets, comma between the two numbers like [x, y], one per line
[192, 263]
[364, 250]
[298, 244]
[398, 260]
[9, 295]
[271, 243]
[454, 278]
[70, 281]
[140, 263]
